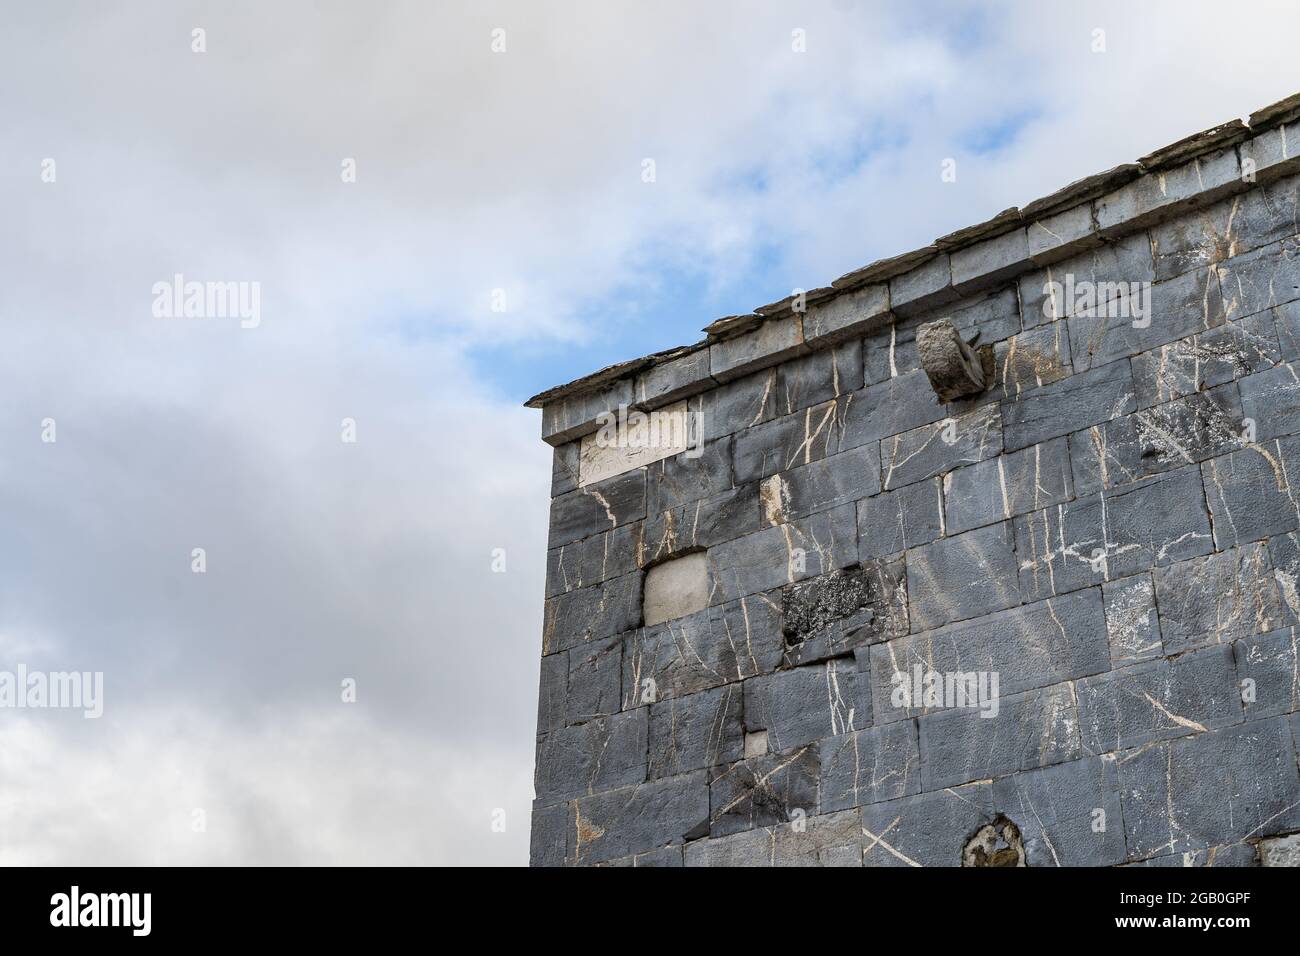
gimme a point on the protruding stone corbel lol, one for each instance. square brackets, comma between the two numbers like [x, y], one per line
[955, 369]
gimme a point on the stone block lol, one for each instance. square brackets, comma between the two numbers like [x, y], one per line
[591, 560]
[1007, 734]
[738, 405]
[701, 524]
[1159, 699]
[889, 407]
[764, 791]
[553, 692]
[932, 450]
[598, 755]
[1053, 293]
[1032, 359]
[597, 507]
[1280, 851]
[1062, 234]
[1271, 401]
[792, 440]
[683, 479]
[595, 680]
[831, 615]
[589, 614]
[548, 840]
[821, 485]
[678, 377]
[892, 521]
[926, 287]
[1132, 623]
[1084, 399]
[774, 340]
[990, 261]
[676, 588]
[832, 839]
[847, 314]
[1260, 279]
[696, 732]
[962, 577]
[1068, 814]
[1224, 354]
[1235, 854]
[1249, 492]
[869, 766]
[805, 704]
[819, 377]
[633, 439]
[564, 468]
[1001, 488]
[639, 819]
[928, 829]
[955, 370]
[1268, 669]
[1218, 598]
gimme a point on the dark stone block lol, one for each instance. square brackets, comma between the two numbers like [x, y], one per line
[1131, 619]
[764, 791]
[695, 732]
[822, 484]
[702, 524]
[929, 829]
[805, 704]
[789, 552]
[1191, 365]
[1068, 815]
[820, 377]
[1268, 669]
[589, 614]
[962, 577]
[549, 836]
[1083, 399]
[604, 753]
[830, 616]
[868, 766]
[598, 507]
[739, 405]
[639, 819]
[682, 480]
[932, 450]
[1249, 492]
[595, 680]
[1004, 487]
[1218, 598]
[892, 521]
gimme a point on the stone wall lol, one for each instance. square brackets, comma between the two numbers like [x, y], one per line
[1103, 544]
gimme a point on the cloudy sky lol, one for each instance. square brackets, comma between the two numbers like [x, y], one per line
[482, 178]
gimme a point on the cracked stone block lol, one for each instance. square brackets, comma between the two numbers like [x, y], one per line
[738, 405]
[1218, 598]
[805, 704]
[1210, 789]
[1102, 537]
[888, 354]
[1261, 279]
[869, 766]
[1029, 647]
[603, 753]
[1042, 293]
[632, 441]
[889, 407]
[929, 829]
[702, 524]
[1131, 619]
[1280, 851]
[820, 377]
[1232, 351]
[931, 450]
[1268, 669]
[696, 732]
[589, 614]
[1284, 552]
[548, 840]
[682, 479]
[1249, 492]
[1286, 319]
[1238, 224]
[832, 839]
[847, 313]
[798, 549]
[596, 508]
[962, 577]
[1032, 359]
[892, 521]
[676, 589]
[564, 468]
[821, 485]
[553, 692]
[953, 367]
[1236, 854]
[1271, 400]
[829, 616]
[725, 643]
[1006, 486]
[773, 340]
[593, 560]
[1171, 310]
[792, 440]
[1068, 814]
[639, 819]
[665, 856]
[1159, 699]
[996, 844]
[1034, 729]
[595, 680]
[1084, 399]
[763, 791]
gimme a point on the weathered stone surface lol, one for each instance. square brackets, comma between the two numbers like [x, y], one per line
[1286, 319]
[820, 377]
[594, 683]
[696, 732]
[928, 829]
[1270, 401]
[1029, 647]
[680, 376]
[1261, 279]
[573, 416]
[564, 468]
[1062, 234]
[1209, 789]
[701, 524]
[892, 406]
[787, 442]
[868, 766]
[931, 450]
[634, 439]
[774, 340]
[1221, 355]
[676, 589]
[891, 522]
[589, 614]
[1001, 488]
[951, 365]
[738, 405]
[795, 550]
[638, 819]
[684, 479]
[552, 695]
[1284, 552]
[1249, 492]
[961, 577]
[1068, 815]
[888, 353]
[925, 287]
[764, 791]
[1097, 395]
[1280, 851]
[831, 615]
[821, 485]
[1177, 308]
[1043, 297]
[990, 262]
[1032, 359]
[1159, 699]
[549, 837]
[1034, 729]
[596, 508]
[848, 314]
[592, 560]
[832, 839]
[805, 704]
[1131, 619]
[1218, 598]
[1155, 521]
[598, 755]
[1268, 668]
[1235, 854]
[726, 643]
[1155, 195]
